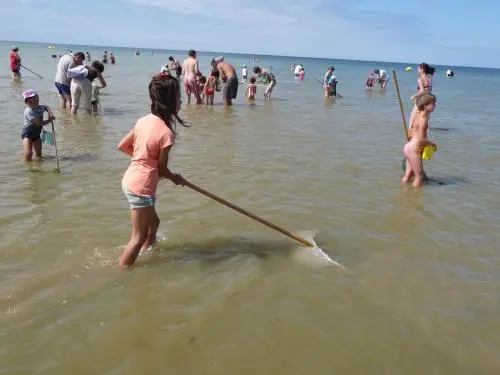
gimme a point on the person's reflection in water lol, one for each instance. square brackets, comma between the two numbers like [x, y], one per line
[79, 136]
[42, 183]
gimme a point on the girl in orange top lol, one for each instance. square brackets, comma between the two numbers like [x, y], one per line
[149, 144]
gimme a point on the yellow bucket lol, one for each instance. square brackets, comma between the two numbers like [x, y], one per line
[428, 152]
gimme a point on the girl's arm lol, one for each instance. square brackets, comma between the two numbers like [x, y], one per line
[163, 167]
[422, 134]
[126, 145]
[420, 91]
[102, 81]
[51, 114]
[246, 91]
[40, 122]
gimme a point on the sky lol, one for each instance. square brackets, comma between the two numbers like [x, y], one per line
[440, 32]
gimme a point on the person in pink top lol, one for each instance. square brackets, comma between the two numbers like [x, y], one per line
[149, 144]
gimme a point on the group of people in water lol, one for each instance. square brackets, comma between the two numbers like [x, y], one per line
[203, 88]
[377, 77]
[150, 141]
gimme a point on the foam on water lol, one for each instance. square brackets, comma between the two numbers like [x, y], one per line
[313, 255]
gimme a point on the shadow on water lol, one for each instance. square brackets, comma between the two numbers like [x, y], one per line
[447, 181]
[118, 112]
[219, 250]
[84, 158]
[439, 129]
[48, 164]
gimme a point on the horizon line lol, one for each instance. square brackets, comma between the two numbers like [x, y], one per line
[249, 54]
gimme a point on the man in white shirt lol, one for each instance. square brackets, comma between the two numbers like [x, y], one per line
[62, 80]
[382, 77]
[244, 72]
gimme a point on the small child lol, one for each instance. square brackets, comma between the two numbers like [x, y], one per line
[211, 86]
[96, 102]
[33, 124]
[370, 81]
[149, 144]
[251, 90]
[202, 80]
[417, 140]
[244, 72]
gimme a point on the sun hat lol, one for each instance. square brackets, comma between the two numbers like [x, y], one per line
[29, 94]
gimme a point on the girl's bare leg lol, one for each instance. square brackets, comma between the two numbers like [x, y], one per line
[153, 229]
[408, 173]
[37, 148]
[142, 219]
[269, 89]
[417, 166]
[27, 149]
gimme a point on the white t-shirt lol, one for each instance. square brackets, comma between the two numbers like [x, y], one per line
[244, 71]
[65, 63]
[298, 68]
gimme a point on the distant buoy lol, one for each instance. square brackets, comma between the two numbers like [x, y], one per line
[408, 69]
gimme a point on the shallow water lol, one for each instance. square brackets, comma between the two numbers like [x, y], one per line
[224, 294]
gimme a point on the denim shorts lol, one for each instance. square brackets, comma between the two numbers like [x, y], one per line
[138, 201]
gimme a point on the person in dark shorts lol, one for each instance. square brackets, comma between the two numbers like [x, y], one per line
[33, 124]
[62, 80]
[229, 77]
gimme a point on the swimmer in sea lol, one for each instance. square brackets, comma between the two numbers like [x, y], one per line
[424, 84]
[268, 78]
[228, 75]
[149, 144]
[191, 71]
[211, 86]
[15, 63]
[251, 90]
[244, 73]
[369, 81]
[417, 140]
[330, 83]
[381, 77]
[33, 125]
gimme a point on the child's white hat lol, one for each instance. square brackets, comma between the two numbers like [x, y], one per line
[29, 94]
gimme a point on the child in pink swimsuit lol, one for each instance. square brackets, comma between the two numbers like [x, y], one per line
[211, 86]
[149, 144]
[251, 90]
[417, 140]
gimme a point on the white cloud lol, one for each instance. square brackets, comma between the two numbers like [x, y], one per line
[285, 25]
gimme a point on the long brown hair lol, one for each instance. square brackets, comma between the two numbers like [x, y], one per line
[164, 91]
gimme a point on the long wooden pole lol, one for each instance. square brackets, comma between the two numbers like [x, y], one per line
[303, 241]
[401, 105]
